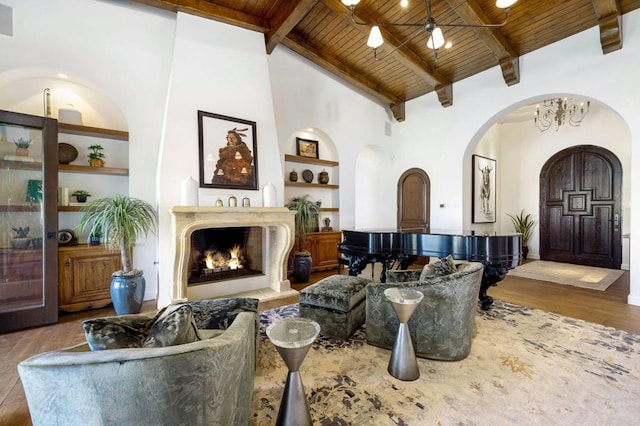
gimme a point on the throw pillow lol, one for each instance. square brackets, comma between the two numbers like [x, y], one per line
[174, 326]
[444, 266]
[112, 333]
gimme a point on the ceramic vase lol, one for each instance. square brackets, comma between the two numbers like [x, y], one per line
[127, 293]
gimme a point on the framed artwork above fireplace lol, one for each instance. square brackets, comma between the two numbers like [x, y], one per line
[228, 152]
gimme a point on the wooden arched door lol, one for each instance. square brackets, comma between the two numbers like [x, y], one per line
[414, 200]
[580, 198]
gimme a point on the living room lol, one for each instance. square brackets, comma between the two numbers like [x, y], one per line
[160, 68]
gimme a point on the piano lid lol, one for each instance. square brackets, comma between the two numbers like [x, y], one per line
[453, 232]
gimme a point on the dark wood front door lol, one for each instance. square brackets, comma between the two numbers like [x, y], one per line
[414, 198]
[580, 197]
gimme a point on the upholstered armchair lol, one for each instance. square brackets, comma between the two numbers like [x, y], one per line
[443, 325]
[209, 381]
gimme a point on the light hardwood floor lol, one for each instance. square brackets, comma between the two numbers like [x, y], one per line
[604, 307]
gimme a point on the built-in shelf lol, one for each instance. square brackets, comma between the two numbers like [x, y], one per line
[20, 208]
[307, 160]
[68, 168]
[69, 208]
[311, 185]
[329, 209]
[22, 165]
[75, 129]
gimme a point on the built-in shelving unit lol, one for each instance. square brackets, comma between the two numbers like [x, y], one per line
[76, 129]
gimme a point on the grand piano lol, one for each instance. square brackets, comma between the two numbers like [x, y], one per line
[497, 252]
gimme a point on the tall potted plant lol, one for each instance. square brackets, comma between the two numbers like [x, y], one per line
[523, 224]
[120, 220]
[306, 220]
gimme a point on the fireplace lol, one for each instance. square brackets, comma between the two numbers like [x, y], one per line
[219, 254]
[267, 233]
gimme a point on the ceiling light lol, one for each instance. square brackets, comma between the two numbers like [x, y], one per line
[375, 39]
[404, 3]
[558, 112]
[62, 75]
[431, 25]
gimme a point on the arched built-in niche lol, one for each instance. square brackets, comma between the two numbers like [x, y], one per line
[328, 161]
[22, 90]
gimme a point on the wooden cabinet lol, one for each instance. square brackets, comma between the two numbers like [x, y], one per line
[323, 247]
[84, 276]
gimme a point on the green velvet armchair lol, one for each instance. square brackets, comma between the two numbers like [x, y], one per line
[443, 326]
[205, 382]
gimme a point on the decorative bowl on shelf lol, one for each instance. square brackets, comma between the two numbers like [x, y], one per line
[66, 153]
[307, 175]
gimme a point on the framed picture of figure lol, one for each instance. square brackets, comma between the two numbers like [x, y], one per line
[228, 152]
[483, 203]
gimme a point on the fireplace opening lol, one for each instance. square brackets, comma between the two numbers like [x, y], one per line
[219, 254]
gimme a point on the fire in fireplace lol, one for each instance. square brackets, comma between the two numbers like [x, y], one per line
[225, 253]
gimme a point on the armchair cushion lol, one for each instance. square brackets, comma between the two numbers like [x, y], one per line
[174, 326]
[439, 268]
[125, 331]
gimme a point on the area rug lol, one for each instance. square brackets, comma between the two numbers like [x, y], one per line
[526, 367]
[565, 273]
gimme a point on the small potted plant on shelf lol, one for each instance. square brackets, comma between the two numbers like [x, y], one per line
[96, 156]
[120, 220]
[523, 224]
[306, 220]
[20, 241]
[22, 147]
[81, 195]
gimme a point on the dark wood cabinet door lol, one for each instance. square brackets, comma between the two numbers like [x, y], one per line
[28, 243]
[580, 197]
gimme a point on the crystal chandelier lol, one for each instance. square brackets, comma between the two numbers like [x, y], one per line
[558, 112]
[431, 25]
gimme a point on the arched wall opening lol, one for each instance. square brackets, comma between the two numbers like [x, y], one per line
[520, 151]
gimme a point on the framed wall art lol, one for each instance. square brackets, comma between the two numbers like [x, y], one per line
[307, 148]
[228, 152]
[484, 190]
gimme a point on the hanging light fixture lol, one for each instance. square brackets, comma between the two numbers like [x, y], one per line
[558, 112]
[436, 37]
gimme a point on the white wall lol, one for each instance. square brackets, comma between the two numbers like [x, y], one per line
[115, 48]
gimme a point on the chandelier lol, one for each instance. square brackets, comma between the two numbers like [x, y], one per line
[558, 112]
[431, 25]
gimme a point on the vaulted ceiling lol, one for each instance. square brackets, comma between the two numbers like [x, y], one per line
[324, 32]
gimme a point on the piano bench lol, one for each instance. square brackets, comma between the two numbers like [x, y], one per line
[337, 303]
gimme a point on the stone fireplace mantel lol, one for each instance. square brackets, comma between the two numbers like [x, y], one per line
[278, 222]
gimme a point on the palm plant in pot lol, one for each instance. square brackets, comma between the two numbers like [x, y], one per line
[306, 220]
[523, 224]
[120, 220]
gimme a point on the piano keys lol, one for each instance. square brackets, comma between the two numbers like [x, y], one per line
[497, 252]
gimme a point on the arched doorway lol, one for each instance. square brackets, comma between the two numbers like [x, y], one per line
[414, 200]
[580, 200]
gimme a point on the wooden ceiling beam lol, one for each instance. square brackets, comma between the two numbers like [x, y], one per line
[338, 68]
[610, 23]
[507, 57]
[402, 54]
[287, 16]
[209, 10]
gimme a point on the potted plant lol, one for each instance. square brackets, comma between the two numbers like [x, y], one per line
[306, 220]
[523, 224]
[120, 220]
[22, 146]
[96, 156]
[20, 241]
[81, 195]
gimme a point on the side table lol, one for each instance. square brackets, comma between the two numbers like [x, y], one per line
[293, 337]
[403, 364]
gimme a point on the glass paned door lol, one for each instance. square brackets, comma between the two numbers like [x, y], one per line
[28, 221]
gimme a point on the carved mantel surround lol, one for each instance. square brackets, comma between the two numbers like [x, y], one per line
[278, 222]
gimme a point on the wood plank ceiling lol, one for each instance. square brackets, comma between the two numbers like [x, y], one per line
[323, 32]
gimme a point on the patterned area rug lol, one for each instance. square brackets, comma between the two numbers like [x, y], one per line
[526, 366]
[565, 273]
